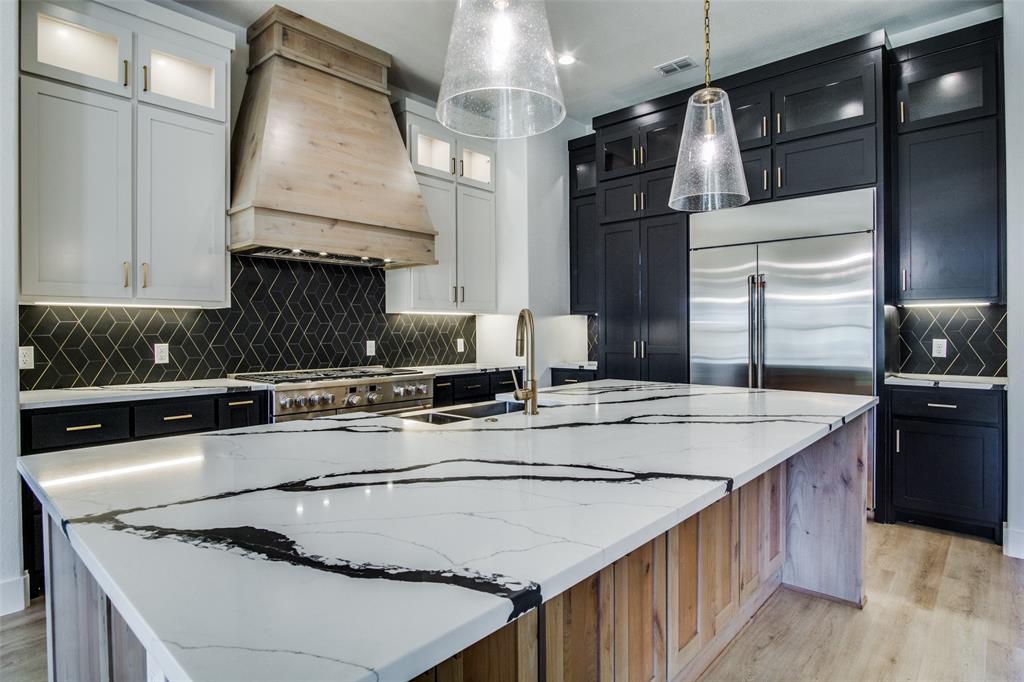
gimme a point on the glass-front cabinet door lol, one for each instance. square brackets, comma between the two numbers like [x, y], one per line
[659, 138]
[583, 172]
[76, 48]
[179, 78]
[617, 151]
[950, 86]
[432, 148]
[476, 163]
[751, 111]
[832, 97]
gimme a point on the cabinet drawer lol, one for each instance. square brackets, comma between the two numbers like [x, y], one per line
[502, 382]
[443, 391]
[179, 416]
[241, 410]
[471, 387]
[564, 377]
[950, 404]
[68, 429]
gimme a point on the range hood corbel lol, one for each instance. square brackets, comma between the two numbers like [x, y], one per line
[319, 170]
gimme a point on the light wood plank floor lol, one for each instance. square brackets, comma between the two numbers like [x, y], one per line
[940, 607]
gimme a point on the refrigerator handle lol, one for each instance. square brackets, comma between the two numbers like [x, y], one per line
[751, 329]
[760, 329]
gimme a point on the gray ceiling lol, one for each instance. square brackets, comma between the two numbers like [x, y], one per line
[617, 42]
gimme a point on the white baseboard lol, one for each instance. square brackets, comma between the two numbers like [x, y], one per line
[14, 594]
[1013, 542]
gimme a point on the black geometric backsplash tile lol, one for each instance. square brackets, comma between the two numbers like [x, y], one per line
[592, 338]
[975, 340]
[283, 315]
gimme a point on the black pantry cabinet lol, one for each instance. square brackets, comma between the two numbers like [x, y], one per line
[68, 428]
[950, 178]
[583, 226]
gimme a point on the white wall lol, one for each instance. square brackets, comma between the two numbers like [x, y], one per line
[533, 252]
[13, 581]
[1013, 80]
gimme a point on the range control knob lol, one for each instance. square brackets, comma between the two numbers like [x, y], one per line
[286, 402]
[422, 388]
[372, 398]
[314, 400]
[399, 390]
[353, 400]
[300, 401]
[327, 398]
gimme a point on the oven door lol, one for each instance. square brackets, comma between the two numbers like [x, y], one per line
[393, 408]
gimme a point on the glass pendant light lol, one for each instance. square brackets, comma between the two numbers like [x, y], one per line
[709, 170]
[500, 78]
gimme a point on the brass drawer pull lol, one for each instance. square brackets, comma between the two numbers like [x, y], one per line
[145, 275]
[474, 386]
[84, 427]
[944, 405]
[571, 381]
[177, 417]
[444, 385]
[240, 403]
[125, 268]
[505, 383]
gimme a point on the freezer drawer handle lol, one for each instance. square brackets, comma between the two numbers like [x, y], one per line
[946, 406]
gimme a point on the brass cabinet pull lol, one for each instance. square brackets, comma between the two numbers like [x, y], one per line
[126, 73]
[125, 268]
[634, 349]
[634, 156]
[570, 381]
[643, 350]
[641, 155]
[903, 112]
[944, 405]
[240, 403]
[897, 441]
[177, 417]
[764, 126]
[506, 382]
[455, 294]
[84, 427]
[444, 385]
[643, 197]
[905, 279]
[453, 166]
[778, 122]
[474, 386]
[462, 168]
[634, 202]
[462, 294]
[145, 78]
[778, 175]
[764, 179]
[145, 275]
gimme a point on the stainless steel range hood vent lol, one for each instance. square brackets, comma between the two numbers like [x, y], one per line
[318, 163]
[326, 258]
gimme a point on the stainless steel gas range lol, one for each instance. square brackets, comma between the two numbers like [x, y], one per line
[306, 394]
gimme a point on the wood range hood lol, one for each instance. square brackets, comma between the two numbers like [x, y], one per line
[319, 170]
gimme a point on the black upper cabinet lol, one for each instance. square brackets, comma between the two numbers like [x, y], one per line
[947, 87]
[582, 170]
[655, 188]
[751, 114]
[645, 143]
[584, 240]
[619, 321]
[950, 210]
[618, 199]
[757, 168]
[826, 162]
[823, 99]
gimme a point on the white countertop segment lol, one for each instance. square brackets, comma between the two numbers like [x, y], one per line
[467, 368]
[587, 364]
[61, 397]
[362, 547]
[946, 381]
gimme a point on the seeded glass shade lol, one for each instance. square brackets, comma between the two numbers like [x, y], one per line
[709, 170]
[500, 78]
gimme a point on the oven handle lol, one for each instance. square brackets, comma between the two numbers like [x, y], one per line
[407, 408]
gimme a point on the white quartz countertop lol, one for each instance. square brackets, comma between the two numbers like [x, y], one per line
[365, 547]
[946, 381]
[61, 397]
[467, 368]
[583, 364]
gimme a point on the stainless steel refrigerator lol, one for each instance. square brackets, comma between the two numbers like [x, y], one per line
[782, 295]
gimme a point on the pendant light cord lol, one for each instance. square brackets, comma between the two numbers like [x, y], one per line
[707, 44]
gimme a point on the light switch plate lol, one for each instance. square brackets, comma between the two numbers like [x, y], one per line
[161, 353]
[26, 357]
[460, 345]
[371, 347]
[938, 348]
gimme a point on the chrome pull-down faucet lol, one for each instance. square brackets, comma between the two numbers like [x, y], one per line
[525, 334]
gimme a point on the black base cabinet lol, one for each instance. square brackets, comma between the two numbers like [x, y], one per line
[562, 376]
[948, 458]
[474, 387]
[69, 428]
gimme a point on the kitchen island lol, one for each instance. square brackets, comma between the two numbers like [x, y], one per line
[647, 522]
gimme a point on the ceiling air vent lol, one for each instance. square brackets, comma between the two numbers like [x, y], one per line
[675, 66]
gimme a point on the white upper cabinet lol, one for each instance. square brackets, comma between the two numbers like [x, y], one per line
[433, 286]
[76, 193]
[476, 163]
[178, 78]
[432, 148]
[180, 239]
[478, 290]
[75, 47]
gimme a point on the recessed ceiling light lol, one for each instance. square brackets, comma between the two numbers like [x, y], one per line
[566, 59]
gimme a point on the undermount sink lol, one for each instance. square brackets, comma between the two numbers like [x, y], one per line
[454, 415]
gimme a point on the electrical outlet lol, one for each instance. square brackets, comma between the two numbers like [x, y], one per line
[460, 345]
[161, 353]
[371, 347]
[938, 348]
[26, 357]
